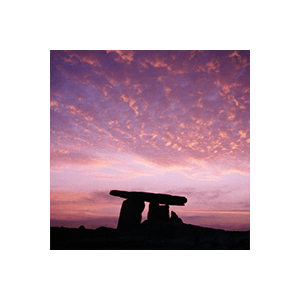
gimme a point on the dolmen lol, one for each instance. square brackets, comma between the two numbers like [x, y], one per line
[132, 208]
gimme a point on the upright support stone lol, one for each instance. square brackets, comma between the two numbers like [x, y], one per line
[158, 212]
[131, 214]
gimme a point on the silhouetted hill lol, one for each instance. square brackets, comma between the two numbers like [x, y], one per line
[149, 236]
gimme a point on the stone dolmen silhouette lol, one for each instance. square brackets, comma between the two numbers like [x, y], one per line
[132, 208]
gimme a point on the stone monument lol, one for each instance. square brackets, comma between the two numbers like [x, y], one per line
[132, 208]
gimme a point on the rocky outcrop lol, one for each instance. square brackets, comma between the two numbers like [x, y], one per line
[174, 218]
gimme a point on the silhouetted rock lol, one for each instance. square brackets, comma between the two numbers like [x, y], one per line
[174, 218]
[130, 214]
[81, 227]
[151, 197]
[158, 212]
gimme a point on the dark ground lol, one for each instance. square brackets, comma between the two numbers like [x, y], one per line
[149, 236]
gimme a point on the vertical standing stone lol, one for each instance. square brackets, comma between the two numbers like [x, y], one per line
[164, 212]
[158, 212]
[131, 214]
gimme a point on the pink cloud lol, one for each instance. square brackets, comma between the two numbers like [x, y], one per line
[239, 60]
[82, 56]
[53, 103]
[123, 55]
[213, 65]
[233, 54]
[131, 103]
[156, 62]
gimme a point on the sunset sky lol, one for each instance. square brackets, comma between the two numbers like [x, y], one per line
[175, 122]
